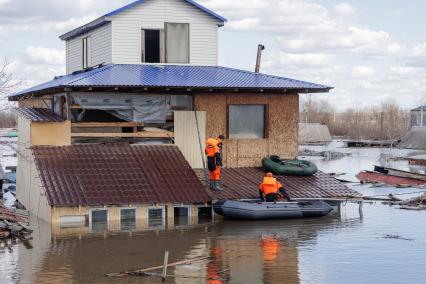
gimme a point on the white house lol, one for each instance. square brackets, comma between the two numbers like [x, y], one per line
[146, 31]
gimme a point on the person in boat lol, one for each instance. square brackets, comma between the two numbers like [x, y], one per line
[214, 160]
[271, 189]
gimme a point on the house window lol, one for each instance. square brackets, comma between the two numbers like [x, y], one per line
[246, 121]
[86, 52]
[99, 220]
[170, 45]
[205, 214]
[152, 46]
[156, 217]
[182, 216]
[127, 219]
[177, 43]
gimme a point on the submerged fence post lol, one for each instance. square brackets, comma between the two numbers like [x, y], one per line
[165, 263]
[360, 209]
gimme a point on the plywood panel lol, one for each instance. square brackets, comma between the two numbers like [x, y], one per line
[215, 108]
[283, 125]
[186, 135]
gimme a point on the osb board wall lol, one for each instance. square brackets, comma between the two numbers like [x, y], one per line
[282, 117]
[51, 133]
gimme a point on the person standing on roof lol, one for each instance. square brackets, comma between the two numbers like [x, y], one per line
[270, 189]
[214, 160]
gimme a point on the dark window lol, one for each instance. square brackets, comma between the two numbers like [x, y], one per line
[181, 216]
[246, 121]
[151, 46]
[128, 219]
[205, 215]
[99, 220]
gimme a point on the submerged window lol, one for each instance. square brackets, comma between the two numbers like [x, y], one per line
[127, 219]
[99, 220]
[177, 43]
[151, 46]
[246, 121]
[205, 215]
[156, 217]
[86, 52]
[181, 216]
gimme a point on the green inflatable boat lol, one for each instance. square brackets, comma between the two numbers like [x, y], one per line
[278, 166]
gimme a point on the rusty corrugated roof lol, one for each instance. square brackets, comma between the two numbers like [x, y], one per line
[92, 175]
[240, 183]
[40, 115]
[9, 215]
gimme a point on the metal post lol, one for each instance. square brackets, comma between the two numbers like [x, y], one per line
[260, 48]
[421, 116]
[165, 263]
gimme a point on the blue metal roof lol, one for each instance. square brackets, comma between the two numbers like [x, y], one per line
[172, 76]
[104, 19]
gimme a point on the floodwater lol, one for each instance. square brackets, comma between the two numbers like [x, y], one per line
[380, 244]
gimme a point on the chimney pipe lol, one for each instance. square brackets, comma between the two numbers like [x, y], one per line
[260, 48]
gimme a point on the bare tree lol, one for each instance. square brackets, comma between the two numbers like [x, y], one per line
[7, 85]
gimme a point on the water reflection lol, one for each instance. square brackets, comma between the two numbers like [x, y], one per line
[241, 252]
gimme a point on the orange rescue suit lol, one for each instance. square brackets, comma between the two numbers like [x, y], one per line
[270, 185]
[214, 157]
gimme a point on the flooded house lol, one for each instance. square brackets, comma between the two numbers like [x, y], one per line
[416, 136]
[120, 136]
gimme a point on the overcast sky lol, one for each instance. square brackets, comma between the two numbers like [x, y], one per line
[370, 51]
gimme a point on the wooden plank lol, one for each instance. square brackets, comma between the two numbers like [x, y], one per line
[107, 124]
[68, 96]
[143, 134]
[135, 272]
[75, 107]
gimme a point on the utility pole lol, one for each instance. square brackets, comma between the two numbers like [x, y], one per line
[260, 48]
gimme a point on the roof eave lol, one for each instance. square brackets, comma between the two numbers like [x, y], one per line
[85, 28]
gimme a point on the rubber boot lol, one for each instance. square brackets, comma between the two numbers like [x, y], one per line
[212, 184]
[217, 185]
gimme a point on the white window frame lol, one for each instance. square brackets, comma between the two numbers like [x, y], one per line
[163, 218]
[86, 52]
[98, 209]
[119, 215]
[189, 214]
[162, 45]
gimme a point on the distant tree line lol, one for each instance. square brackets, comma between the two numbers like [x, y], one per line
[385, 121]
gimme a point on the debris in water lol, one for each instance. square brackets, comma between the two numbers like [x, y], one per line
[396, 237]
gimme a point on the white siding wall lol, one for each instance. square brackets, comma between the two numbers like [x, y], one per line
[186, 136]
[127, 25]
[100, 48]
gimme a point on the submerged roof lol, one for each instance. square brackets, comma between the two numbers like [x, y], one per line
[241, 183]
[105, 18]
[40, 115]
[170, 76]
[119, 174]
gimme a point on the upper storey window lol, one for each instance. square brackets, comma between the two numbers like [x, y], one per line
[86, 52]
[166, 46]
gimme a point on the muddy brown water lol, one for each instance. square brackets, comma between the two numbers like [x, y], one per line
[382, 245]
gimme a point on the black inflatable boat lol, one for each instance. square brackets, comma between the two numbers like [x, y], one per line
[254, 209]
